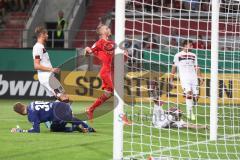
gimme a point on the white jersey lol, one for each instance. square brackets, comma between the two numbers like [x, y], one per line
[161, 119]
[167, 121]
[40, 52]
[186, 64]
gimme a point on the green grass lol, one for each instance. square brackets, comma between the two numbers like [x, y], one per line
[53, 146]
[140, 140]
[143, 140]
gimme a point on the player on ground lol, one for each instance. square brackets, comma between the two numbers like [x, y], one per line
[103, 49]
[189, 72]
[172, 119]
[44, 67]
[59, 113]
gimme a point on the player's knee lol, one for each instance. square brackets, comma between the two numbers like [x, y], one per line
[108, 94]
[189, 95]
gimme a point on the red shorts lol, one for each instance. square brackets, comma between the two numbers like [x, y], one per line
[107, 82]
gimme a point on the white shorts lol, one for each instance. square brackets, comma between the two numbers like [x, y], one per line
[45, 83]
[190, 85]
[51, 84]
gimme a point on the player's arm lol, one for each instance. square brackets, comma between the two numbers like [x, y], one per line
[174, 69]
[199, 74]
[173, 72]
[198, 70]
[35, 128]
[88, 51]
[195, 126]
[38, 66]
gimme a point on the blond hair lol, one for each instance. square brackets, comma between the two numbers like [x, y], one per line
[99, 28]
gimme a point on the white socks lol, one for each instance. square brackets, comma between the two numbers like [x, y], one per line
[189, 104]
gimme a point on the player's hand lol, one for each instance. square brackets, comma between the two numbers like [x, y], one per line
[171, 85]
[84, 130]
[88, 51]
[201, 81]
[15, 130]
[55, 70]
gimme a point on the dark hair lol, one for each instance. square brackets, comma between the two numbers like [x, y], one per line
[185, 42]
[19, 108]
[39, 30]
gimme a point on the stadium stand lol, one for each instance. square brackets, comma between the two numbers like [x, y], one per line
[14, 23]
[95, 11]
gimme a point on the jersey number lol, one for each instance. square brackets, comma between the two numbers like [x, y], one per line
[42, 105]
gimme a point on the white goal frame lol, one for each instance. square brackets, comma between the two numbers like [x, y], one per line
[119, 75]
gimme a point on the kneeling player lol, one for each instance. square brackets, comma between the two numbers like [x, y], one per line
[59, 113]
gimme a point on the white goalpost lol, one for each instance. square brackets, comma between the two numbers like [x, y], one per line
[214, 70]
[156, 99]
[119, 80]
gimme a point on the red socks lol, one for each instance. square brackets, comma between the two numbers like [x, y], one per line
[98, 102]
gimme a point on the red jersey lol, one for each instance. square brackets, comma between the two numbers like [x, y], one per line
[104, 51]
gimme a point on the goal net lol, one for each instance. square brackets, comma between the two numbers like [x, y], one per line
[155, 31]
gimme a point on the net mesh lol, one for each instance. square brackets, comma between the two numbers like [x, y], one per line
[155, 30]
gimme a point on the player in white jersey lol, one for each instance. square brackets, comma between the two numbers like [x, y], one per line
[172, 119]
[44, 67]
[189, 72]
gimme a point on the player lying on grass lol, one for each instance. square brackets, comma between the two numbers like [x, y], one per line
[59, 113]
[189, 72]
[172, 118]
[44, 67]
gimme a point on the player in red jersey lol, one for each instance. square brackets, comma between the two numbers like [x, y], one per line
[103, 49]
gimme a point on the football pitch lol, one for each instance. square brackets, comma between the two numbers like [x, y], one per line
[53, 146]
[140, 139]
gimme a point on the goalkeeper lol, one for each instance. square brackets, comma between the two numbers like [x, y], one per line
[59, 113]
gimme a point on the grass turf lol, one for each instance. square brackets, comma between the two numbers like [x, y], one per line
[53, 146]
[140, 140]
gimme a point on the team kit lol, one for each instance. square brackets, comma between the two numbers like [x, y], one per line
[58, 113]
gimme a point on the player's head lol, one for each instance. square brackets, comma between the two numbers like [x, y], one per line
[41, 33]
[187, 45]
[60, 14]
[103, 29]
[175, 112]
[20, 108]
